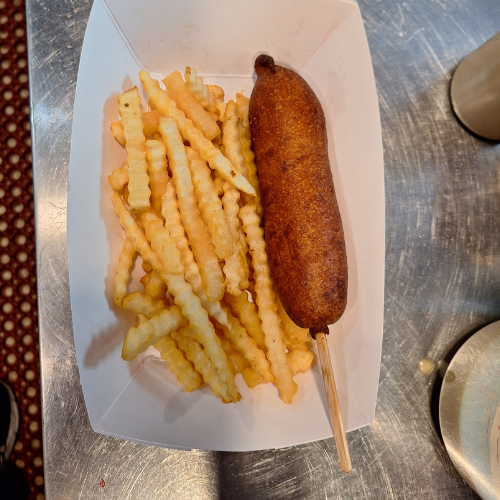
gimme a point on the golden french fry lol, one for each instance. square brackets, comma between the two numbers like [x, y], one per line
[267, 308]
[125, 262]
[218, 184]
[234, 267]
[178, 364]
[243, 343]
[162, 243]
[119, 177]
[195, 353]
[173, 223]
[294, 335]
[246, 312]
[217, 91]
[148, 332]
[238, 364]
[232, 149]
[189, 132]
[153, 285]
[300, 359]
[210, 204]
[125, 193]
[178, 91]
[236, 360]
[206, 95]
[243, 252]
[146, 266]
[204, 253]
[117, 130]
[150, 121]
[231, 139]
[136, 235]
[144, 304]
[251, 377]
[156, 155]
[242, 105]
[135, 145]
[221, 107]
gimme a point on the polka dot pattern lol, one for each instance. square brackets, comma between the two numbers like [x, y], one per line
[19, 355]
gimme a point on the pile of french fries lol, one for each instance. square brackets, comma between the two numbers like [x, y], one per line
[188, 200]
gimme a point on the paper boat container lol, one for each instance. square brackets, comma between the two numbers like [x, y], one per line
[325, 42]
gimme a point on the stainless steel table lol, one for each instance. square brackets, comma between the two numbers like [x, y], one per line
[442, 276]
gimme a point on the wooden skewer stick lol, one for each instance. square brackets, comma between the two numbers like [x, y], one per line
[333, 402]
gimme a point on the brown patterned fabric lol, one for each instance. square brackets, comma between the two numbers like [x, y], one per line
[19, 356]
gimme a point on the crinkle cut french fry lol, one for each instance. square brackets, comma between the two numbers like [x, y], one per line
[147, 333]
[238, 364]
[129, 105]
[195, 353]
[232, 149]
[153, 285]
[204, 253]
[117, 130]
[267, 308]
[294, 335]
[197, 140]
[231, 140]
[125, 193]
[247, 314]
[242, 243]
[234, 267]
[178, 364]
[300, 359]
[173, 223]
[210, 204]
[150, 121]
[251, 377]
[134, 233]
[217, 91]
[205, 333]
[162, 243]
[242, 105]
[146, 266]
[236, 360]
[243, 343]
[206, 96]
[118, 178]
[125, 262]
[156, 155]
[218, 184]
[144, 304]
[178, 91]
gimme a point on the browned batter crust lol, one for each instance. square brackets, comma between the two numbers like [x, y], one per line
[303, 228]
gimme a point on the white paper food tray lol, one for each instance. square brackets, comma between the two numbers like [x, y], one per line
[325, 42]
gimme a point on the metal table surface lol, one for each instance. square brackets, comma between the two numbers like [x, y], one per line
[442, 276]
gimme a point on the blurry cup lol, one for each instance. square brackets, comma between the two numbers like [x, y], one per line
[475, 90]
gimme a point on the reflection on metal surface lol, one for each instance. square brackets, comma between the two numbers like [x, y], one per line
[475, 90]
[442, 276]
[442, 367]
[470, 397]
